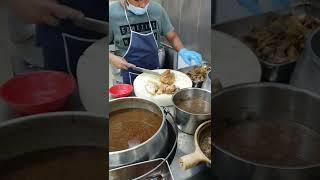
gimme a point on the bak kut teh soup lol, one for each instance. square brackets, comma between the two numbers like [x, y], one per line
[194, 105]
[131, 127]
[63, 163]
[272, 142]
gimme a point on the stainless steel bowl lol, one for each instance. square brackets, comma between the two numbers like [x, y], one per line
[186, 121]
[147, 150]
[196, 84]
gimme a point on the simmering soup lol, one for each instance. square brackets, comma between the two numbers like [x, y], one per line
[194, 105]
[131, 127]
[278, 143]
[81, 163]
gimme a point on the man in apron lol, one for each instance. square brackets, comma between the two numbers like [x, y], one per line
[135, 28]
[62, 42]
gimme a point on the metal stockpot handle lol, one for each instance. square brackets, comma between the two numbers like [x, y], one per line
[171, 120]
[167, 112]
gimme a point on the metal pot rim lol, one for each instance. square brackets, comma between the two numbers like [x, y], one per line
[265, 84]
[152, 137]
[202, 126]
[185, 89]
[276, 65]
[309, 44]
[45, 115]
[264, 165]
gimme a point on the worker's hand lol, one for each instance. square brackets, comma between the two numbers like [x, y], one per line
[43, 11]
[120, 62]
[188, 56]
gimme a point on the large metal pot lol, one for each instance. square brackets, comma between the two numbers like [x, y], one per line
[263, 101]
[307, 72]
[51, 130]
[150, 149]
[187, 121]
[162, 56]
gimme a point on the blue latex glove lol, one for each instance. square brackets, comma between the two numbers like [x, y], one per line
[188, 56]
[251, 5]
[281, 4]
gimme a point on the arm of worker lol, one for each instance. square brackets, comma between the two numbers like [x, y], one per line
[119, 62]
[167, 30]
[42, 11]
[186, 55]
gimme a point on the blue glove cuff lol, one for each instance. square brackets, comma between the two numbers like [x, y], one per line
[182, 50]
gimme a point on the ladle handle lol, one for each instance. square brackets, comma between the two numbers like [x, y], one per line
[191, 160]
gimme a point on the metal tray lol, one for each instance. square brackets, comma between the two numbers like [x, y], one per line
[158, 169]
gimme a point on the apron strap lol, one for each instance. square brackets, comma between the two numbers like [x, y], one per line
[152, 29]
[125, 12]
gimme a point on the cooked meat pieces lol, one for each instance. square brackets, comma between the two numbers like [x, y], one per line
[155, 88]
[166, 89]
[198, 73]
[152, 87]
[167, 77]
[283, 39]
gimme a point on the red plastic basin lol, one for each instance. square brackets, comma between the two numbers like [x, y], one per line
[121, 90]
[38, 92]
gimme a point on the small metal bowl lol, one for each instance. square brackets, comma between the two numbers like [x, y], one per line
[187, 121]
[196, 84]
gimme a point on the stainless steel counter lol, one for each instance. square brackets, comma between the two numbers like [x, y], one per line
[186, 146]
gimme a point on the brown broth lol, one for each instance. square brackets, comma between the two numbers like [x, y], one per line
[194, 105]
[65, 163]
[131, 127]
[205, 143]
[278, 143]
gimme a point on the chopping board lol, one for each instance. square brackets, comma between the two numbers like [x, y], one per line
[182, 81]
[233, 61]
[92, 74]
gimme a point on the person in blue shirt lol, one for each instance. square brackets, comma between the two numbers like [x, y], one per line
[136, 27]
[62, 42]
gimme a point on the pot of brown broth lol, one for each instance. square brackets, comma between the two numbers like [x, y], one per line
[138, 131]
[64, 145]
[266, 131]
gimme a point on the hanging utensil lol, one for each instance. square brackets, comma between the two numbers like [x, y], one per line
[92, 25]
